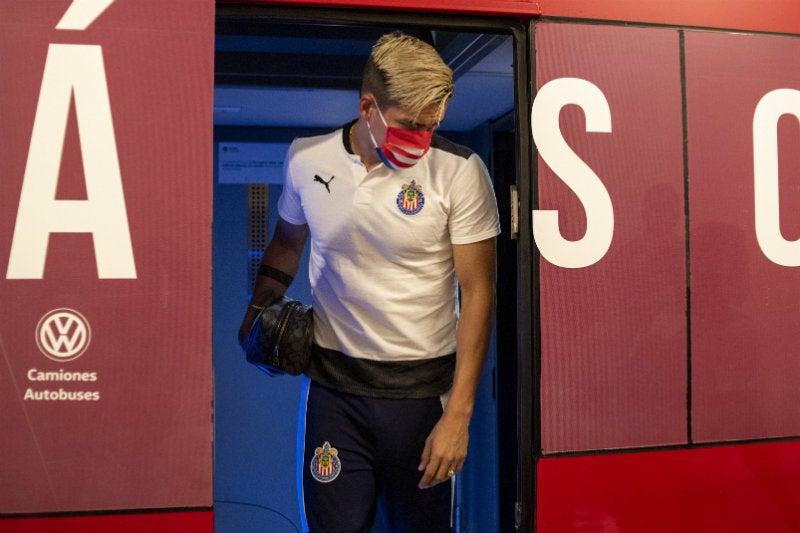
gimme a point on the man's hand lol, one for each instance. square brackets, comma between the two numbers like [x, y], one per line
[445, 450]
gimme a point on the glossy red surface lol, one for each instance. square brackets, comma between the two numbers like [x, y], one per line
[749, 488]
[781, 16]
[194, 522]
[774, 16]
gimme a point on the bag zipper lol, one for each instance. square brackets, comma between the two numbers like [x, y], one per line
[287, 312]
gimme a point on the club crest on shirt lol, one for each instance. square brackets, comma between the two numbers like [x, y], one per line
[410, 200]
[325, 465]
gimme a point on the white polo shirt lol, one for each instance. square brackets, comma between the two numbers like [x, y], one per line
[381, 262]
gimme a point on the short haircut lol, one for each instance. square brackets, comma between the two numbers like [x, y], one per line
[406, 72]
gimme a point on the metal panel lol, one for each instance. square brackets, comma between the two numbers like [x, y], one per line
[745, 312]
[614, 331]
[119, 131]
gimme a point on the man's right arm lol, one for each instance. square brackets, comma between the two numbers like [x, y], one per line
[283, 255]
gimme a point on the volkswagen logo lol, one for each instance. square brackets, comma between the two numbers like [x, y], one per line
[63, 334]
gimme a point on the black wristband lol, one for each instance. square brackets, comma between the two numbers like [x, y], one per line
[281, 277]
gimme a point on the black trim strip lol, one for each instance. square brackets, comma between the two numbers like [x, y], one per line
[421, 378]
[528, 314]
[687, 256]
[109, 512]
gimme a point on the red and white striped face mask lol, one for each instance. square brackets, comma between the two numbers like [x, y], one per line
[402, 148]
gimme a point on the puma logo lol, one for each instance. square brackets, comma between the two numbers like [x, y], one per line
[325, 183]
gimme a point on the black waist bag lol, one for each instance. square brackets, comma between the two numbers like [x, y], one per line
[280, 338]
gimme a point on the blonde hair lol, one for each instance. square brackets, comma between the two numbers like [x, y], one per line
[407, 72]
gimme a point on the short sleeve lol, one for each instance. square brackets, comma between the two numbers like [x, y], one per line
[473, 213]
[290, 207]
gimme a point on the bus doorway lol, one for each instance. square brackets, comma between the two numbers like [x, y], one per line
[282, 73]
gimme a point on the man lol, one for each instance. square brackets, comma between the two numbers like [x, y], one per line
[400, 220]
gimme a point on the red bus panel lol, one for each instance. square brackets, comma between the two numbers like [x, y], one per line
[778, 16]
[743, 108]
[614, 331]
[178, 522]
[105, 256]
[728, 489]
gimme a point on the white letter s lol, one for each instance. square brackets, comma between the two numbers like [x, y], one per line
[575, 173]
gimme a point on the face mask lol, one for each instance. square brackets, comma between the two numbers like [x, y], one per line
[402, 148]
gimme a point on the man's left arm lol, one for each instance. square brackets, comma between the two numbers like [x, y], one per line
[446, 446]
